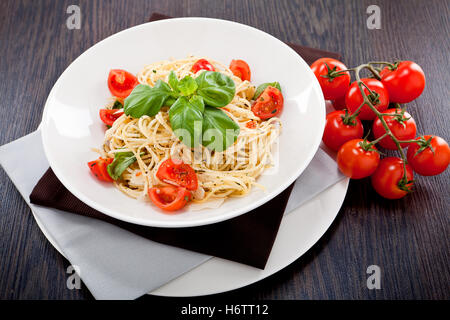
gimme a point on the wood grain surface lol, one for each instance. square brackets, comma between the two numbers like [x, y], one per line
[407, 238]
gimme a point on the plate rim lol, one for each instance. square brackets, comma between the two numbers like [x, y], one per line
[186, 223]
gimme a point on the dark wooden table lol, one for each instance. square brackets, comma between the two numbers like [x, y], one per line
[407, 239]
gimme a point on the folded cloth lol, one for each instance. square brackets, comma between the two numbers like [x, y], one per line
[116, 263]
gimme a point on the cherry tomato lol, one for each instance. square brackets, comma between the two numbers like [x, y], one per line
[251, 124]
[337, 132]
[240, 69]
[403, 128]
[108, 116]
[405, 83]
[387, 179]
[333, 86]
[339, 104]
[179, 173]
[98, 168]
[354, 99]
[121, 83]
[202, 64]
[429, 158]
[356, 162]
[169, 198]
[269, 104]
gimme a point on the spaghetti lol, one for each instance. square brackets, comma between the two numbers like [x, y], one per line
[230, 173]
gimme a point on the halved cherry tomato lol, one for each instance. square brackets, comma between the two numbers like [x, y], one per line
[355, 162]
[108, 116]
[179, 173]
[121, 83]
[429, 158]
[354, 99]
[169, 198]
[240, 69]
[202, 64]
[98, 168]
[403, 128]
[251, 124]
[387, 179]
[334, 86]
[337, 132]
[269, 104]
[405, 83]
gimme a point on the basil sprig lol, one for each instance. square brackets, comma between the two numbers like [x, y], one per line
[187, 86]
[186, 118]
[263, 87]
[216, 88]
[219, 131]
[194, 104]
[173, 81]
[146, 100]
[122, 160]
[117, 105]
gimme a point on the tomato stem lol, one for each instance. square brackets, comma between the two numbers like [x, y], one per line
[379, 139]
[334, 73]
[389, 64]
[369, 102]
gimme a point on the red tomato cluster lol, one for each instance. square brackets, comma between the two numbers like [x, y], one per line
[358, 158]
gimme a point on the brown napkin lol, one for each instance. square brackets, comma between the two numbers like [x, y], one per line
[246, 239]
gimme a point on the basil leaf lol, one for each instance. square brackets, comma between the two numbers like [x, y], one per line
[173, 80]
[145, 100]
[187, 86]
[170, 101]
[219, 130]
[117, 105]
[122, 160]
[216, 89]
[186, 118]
[263, 87]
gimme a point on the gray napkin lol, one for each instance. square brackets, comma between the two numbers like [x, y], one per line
[114, 263]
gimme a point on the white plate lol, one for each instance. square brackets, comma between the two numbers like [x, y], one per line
[71, 126]
[299, 231]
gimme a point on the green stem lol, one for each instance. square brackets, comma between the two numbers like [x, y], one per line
[367, 102]
[345, 70]
[407, 141]
[391, 114]
[374, 72]
[381, 62]
[379, 139]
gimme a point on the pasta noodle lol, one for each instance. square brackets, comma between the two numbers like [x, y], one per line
[230, 173]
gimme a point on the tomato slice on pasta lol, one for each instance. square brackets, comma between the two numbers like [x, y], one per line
[202, 64]
[108, 116]
[240, 69]
[169, 198]
[98, 168]
[269, 104]
[121, 83]
[176, 172]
